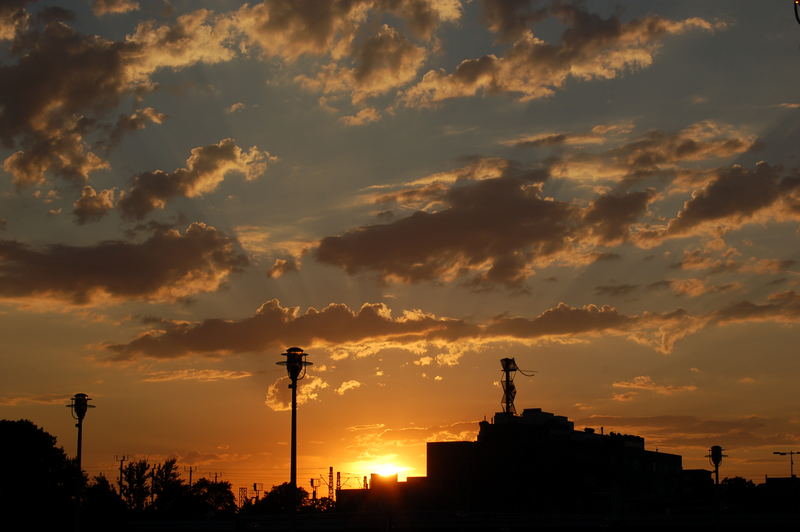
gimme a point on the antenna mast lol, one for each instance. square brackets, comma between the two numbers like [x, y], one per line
[510, 368]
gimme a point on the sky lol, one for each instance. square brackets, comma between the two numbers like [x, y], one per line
[409, 190]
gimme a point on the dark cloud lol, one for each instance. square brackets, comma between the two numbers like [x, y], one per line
[169, 265]
[614, 290]
[283, 266]
[135, 121]
[275, 326]
[610, 216]
[591, 47]
[205, 169]
[510, 19]
[291, 28]
[496, 227]
[783, 307]
[734, 197]
[656, 153]
[92, 206]
[64, 83]
[13, 18]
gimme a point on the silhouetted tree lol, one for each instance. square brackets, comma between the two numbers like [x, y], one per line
[280, 499]
[136, 485]
[103, 507]
[216, 497]
[39, 484]
[323, 504]
[738, 493]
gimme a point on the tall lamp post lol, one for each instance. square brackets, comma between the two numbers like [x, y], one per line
[79, 404]
[296, 368]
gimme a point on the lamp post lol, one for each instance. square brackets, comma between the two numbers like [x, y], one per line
[791, 460]
[296, 368]
[79, 404]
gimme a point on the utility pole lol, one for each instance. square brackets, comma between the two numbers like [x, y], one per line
[338, 481]
[190, 469]
[314, 489]
[791, 460]
[330, 483]
[121, 459]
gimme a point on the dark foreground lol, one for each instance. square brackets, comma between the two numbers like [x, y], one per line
[480, 521]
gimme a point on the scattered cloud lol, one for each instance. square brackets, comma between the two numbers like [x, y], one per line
[279, 398]
[114, 7]
[347, 386]
[35, 399]
[205, 169]
[198, 375]
[591, 47]
[645, 383]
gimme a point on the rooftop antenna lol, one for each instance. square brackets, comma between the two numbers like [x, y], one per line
[715, 456]
[509, 389]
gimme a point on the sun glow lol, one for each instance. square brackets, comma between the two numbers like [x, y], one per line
[387, 470]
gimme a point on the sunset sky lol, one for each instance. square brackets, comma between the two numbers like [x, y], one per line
[409, 190]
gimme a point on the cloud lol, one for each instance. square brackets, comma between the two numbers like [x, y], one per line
[365, 116]
[692, 431]
[347, 386]
[198, 375]
[275, 326]
[35, 399]
[114, 7]
[135, 121]
[92, 206]
[83, 78]
[382, 62]
[657, 153]
[645, 383]
[13, 18]
[169, 265]
[289, 29]
[610, 216]
[235, 107]
[615, 290]
[494, 228]
[591, 47]
[205, 169]
[279, 398]
[510, 19]
[736, 196]
[373, 328]
[283, 266]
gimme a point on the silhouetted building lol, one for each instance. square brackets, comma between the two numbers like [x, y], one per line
[536, 462]
[539, 462]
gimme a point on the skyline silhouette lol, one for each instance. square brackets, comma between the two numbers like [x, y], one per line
[408, 190]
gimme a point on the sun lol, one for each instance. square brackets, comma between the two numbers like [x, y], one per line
[387, 470]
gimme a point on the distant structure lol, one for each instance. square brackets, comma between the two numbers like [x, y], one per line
[536, 462]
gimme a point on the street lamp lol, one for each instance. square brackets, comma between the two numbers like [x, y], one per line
[79, 404]
[791, 459]
[296, 368]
